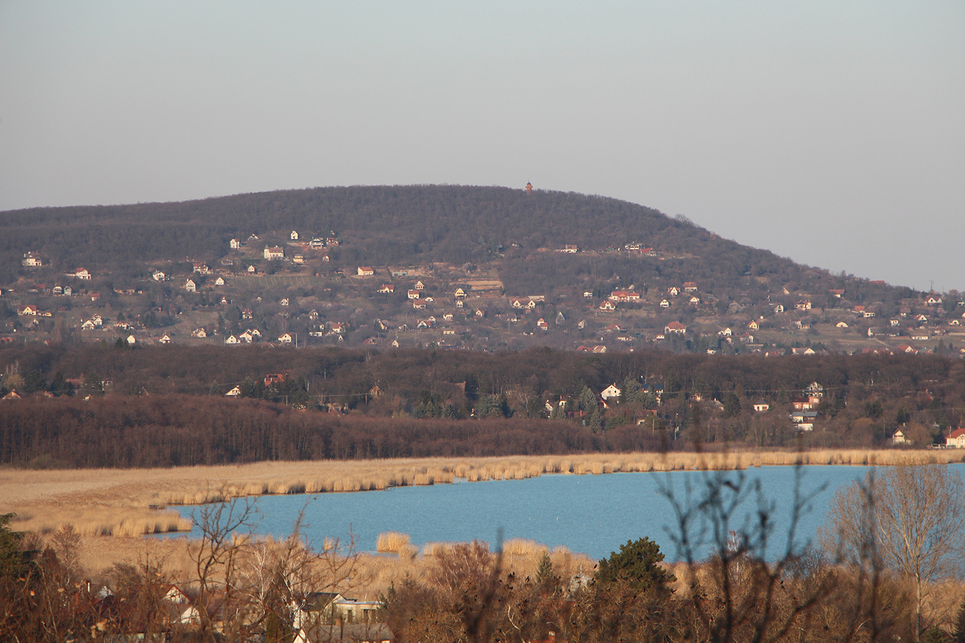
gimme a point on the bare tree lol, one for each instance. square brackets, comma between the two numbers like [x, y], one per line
[907, 518]
[748, 590]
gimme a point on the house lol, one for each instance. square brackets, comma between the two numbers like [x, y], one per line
[607, 306]
[165, 339]
[610, 392]
[675, 327]
[933, 300]
[231, 339]
[157, 275]
[760, 406]
[365, 271]
[624, 295]
[387, 289]
[32, 260]
[419, 285]
[414, 294]
[542, 325]
[674, 291]
[569, 249]
[899, 438]
[252, 270]
[814, 389]
[283, 301]
[234, 244]
[274, 253]
[235, 392]
[285, 338]
[664, 303]
[804, 304]
[202, 268]
[956, 439]
[753, 325]
[200, 333]
[82, 273]
[190, 286]
[779, 309]
[804, 419]
[460, 293]
[293, 236]
[841, 324]
[690, 286]
[29, 309]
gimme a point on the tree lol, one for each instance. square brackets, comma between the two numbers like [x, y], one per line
[909, 518]
[638, 564]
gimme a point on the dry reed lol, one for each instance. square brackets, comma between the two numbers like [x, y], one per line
[391, 542]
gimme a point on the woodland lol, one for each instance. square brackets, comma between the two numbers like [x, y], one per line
[114, 406]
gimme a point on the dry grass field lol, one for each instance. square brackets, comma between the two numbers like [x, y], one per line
[111, 508]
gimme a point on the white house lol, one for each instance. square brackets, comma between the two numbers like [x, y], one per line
[610, 392]
[956, 439]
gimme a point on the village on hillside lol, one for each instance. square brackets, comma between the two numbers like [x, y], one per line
[284, 289]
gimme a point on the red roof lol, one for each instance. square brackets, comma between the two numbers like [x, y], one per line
[957, 433]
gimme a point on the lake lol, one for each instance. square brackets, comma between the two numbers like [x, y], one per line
[592, 514]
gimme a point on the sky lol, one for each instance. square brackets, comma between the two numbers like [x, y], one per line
[829, 131]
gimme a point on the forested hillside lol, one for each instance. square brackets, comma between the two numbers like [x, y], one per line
[397, 225]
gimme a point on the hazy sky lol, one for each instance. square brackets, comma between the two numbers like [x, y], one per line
[828, 131]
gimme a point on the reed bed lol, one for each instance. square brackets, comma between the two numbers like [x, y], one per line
[391, 542]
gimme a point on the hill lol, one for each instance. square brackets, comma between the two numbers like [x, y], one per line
[500, 268]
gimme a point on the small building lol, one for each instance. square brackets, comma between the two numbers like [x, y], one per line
[675, 327]
[956, 439]
[610, 392]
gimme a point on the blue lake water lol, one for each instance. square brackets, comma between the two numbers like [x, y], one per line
[592, 514]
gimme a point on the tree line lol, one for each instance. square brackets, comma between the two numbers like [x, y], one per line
[290, 402]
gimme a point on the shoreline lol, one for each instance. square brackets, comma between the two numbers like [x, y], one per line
[134, 502]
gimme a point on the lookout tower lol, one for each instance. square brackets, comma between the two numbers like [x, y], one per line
[529, 188]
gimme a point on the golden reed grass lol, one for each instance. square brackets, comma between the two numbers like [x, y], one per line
[131, 502]
[391, 542]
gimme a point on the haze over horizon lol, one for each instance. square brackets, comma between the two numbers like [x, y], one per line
[831, 133]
